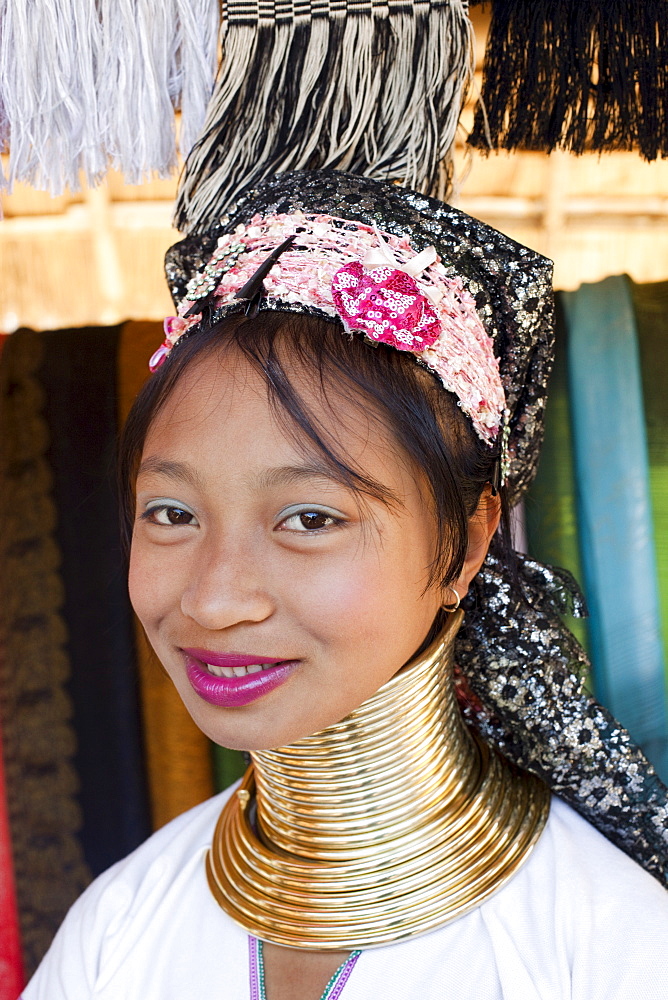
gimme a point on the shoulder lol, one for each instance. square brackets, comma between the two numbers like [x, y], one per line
[585, 910]
[581, 872]
[171, 849]
[578, 921]
[575, 852]
[135, 900]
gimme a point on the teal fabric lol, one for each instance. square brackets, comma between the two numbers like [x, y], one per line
[651, 311]
[614, 511]
[550, 505]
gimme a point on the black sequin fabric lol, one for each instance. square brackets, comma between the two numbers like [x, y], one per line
[517, 655]
[527, 670]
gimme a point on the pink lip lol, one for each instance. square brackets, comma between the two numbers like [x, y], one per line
[233, 692]
[230, 659]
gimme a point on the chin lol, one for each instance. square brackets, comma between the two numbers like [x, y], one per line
[255, 739]
[252, 739]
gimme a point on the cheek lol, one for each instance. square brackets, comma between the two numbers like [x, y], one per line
[141, 596]
[374, 596]
[152, 588]
[340, 602]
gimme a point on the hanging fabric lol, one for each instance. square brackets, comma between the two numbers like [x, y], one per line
[89, 84]
[79, 380]
[580, 75]
[178, 755]
[11, 965]
[614, 510]
[651, 311]
[39, 740]
[551, 507]
[353, 85]
[228, 766]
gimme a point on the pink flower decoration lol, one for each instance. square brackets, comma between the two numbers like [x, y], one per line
[385, 304]
[174, 327]
[158, 357]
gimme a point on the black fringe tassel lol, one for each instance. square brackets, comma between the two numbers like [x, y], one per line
[581, 75]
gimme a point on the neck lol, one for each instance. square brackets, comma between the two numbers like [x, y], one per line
[385, 825]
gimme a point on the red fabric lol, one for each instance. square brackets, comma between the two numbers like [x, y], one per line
[11, 966]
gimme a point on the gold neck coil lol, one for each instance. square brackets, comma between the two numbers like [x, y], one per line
[385, 825]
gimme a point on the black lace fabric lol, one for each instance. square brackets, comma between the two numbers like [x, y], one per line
[527, 670]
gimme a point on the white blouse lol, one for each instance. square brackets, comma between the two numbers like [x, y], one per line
[579, 920]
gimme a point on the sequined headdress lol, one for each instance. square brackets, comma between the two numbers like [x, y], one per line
[373, 282]
[508, 285]
[522, 665]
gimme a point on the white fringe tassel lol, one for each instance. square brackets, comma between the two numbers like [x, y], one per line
[89, 83]
[375, 93]
[193, 65]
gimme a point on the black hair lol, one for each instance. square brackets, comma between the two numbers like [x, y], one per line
[423, 417]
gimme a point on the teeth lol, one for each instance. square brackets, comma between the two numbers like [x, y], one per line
[252, 668]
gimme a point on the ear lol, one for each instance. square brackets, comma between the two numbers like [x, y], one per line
[482, 528]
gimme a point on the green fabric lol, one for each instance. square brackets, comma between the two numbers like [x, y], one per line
[551, 519]
[228, 766]
[650, 303]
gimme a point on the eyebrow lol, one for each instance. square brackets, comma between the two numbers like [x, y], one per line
[284, 475]
[180, 471]
[287, 475]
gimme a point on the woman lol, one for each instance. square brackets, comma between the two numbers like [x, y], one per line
[342, 411]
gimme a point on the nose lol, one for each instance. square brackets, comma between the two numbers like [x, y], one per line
[227, 587]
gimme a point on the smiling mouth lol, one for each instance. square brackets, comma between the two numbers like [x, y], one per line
[235, 679]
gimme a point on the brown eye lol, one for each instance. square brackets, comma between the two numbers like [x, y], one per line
[175, 515]
[168, 515]
[314, 519]
[310, 520]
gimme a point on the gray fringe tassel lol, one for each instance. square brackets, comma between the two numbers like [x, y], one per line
[86, 84]
[347, 84]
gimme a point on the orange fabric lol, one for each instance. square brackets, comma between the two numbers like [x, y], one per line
[178, 755]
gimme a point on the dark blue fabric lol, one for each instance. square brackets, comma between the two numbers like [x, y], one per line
[79, 379]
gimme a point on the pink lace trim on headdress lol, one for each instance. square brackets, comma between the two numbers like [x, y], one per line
[376, 284]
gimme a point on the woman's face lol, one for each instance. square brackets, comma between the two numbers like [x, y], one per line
[250, 559]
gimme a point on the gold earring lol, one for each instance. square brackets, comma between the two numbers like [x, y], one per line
[452, 607]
